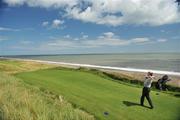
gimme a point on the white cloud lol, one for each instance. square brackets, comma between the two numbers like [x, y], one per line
[56, 23]
[175, 37]
[61, 43]
[25, 42]
[140, 40]
[76, 39]
[67, 36]
[162, 40]
[8, 29]
[2, 38]
[113, 12]
[43, 3]
[106, 39]
[85, 36]
[110, 39]
[69, 43]
[45, 23]
[163, 31]
[109, 34]
[118, 12]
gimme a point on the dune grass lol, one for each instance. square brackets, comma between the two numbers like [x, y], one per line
[14, 66]
[106, 99]
[20, 101]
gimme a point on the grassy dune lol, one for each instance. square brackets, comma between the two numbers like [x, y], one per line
[13, 66]
[20, 101]
[98, 95]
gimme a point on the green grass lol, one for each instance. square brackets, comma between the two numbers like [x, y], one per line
[19, 101]
[96, 95]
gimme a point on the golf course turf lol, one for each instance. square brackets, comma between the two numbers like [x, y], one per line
[101, 97]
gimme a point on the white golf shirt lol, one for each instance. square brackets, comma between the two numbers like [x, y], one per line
[148, 80]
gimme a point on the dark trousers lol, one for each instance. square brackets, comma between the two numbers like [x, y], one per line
[145, 93]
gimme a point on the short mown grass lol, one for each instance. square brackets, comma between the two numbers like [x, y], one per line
[102, 97]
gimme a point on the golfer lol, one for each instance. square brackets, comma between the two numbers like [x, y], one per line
[146, 89]
[161, 84]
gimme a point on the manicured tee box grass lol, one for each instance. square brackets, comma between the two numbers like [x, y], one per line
[105, 99]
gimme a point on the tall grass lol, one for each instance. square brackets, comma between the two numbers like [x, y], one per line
[22, 102]
[14, 66]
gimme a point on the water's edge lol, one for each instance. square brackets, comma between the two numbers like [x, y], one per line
[100, 67]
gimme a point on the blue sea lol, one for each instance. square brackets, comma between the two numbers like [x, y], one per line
[154, 61]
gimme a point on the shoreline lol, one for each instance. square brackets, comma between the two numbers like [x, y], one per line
[100, 67]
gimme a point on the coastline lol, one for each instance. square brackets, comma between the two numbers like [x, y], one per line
[129, 73]
[160, 72]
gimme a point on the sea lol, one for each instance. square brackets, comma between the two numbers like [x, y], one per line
[153, 61]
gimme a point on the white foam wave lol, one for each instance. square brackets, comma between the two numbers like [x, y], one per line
[113, 68]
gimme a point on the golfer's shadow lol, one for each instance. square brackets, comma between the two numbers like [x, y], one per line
[129, 104]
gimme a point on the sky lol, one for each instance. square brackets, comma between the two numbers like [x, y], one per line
[29, 27]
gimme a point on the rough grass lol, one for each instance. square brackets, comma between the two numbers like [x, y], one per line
[23, 102]
[14, 66]
[98, 95]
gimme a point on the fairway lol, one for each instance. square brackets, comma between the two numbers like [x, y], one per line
[101, 97]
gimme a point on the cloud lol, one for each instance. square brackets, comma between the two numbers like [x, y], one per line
[56, 23]
[61, 43]
[76, 39]
[85, 36]
[162, 40]
[8, 29]
[105, 39]
[68, 42]
[109, 34]
[175, 37]
[110, 39]
[113, 12]
[45, 23]
[67, 36]
[140, 40]
[118, 12]
[42, 3]
[25, 42]
[2, 38]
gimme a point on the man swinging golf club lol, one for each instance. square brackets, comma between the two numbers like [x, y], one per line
[146, 89]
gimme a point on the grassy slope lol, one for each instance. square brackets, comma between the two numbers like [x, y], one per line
[98, 95]
[13, 66]
[19, 101]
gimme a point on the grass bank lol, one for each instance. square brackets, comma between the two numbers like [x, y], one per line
[23, 102]
[20, 101]
[14, 66]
